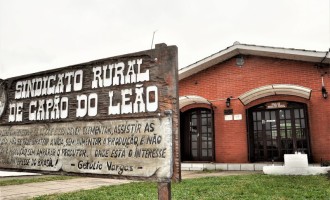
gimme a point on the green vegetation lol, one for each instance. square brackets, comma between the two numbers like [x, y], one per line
[34, 179]
[209, 171]
[256, 186]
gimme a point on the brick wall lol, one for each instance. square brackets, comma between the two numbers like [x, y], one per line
[226, 79]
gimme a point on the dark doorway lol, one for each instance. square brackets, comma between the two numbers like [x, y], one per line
[278, 128]
[197, 138]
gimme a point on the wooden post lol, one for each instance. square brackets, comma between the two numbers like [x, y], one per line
[164, 190]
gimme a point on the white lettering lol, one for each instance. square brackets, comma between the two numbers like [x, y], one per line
[60, 84]
[12, 112]
[107, 79]
[113, 110]
[41, 110]
[51, 86]
[126, 108]
[18, 92]
[139, 105]
[47, 85]
[97, 81]
[142, 76]
[64, 107]
[82, 106]
[130, 75]
[127, 103]
[92, 104]
[33, 111]
[69, 76]
[19, 112]
[78, 80]
[49, 105]
[119, 74]
[38, 86]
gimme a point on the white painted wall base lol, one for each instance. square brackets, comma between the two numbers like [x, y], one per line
[231, 166]
[282, 170]
[225, 166]
[295, 164]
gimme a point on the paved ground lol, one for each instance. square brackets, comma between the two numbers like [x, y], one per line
[10, 174]
[200, 174]
[25, 191]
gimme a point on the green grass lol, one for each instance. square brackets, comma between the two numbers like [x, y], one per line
[35, 179]
[256, 186]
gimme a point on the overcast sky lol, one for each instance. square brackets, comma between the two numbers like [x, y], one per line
[37, 35]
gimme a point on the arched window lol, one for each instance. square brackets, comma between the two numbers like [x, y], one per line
[278, 128]
[197, 138]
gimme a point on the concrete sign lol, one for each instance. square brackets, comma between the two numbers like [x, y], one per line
[115, 116]
[3, 98]
[120, 147]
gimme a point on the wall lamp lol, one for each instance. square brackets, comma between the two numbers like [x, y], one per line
[239, 60]
[228, 102]
[324, 92]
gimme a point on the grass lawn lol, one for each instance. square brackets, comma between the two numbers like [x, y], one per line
[256, 186]
[34, 179]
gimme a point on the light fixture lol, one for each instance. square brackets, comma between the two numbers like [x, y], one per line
[240, 60]
[228, 102]
[324, 92]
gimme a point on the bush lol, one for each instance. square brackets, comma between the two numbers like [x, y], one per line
[325, 163]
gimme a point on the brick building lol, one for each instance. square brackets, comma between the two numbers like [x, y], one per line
[250, 103]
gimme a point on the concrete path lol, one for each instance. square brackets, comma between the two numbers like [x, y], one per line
[10, 174]
[200, 174]
[25, 191]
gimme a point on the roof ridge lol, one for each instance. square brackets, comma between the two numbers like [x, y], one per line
[251, 45]
[257, 50]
